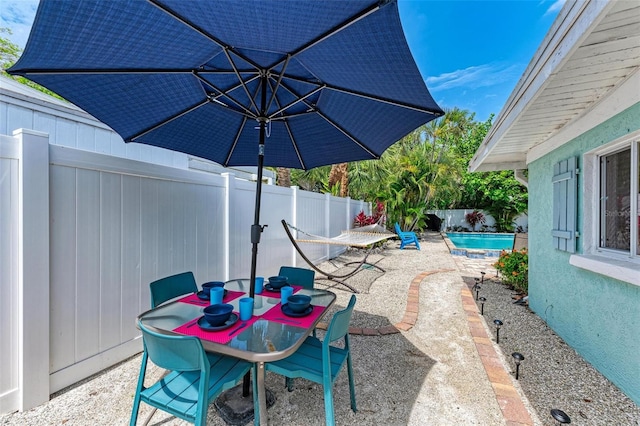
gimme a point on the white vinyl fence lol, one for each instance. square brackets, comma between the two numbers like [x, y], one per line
[456, 218]
[83, 233]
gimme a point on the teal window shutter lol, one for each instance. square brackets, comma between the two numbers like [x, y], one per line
[565, 203]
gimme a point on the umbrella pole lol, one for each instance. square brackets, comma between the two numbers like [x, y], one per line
[256, 228]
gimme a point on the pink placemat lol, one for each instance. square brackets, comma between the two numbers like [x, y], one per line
[195, 300]
[267, 293]
[275, 314]
[191, 328]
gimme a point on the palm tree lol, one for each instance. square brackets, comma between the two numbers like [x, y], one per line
[283, 176]
[339, 174]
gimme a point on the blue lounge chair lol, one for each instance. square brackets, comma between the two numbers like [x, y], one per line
[406, 237]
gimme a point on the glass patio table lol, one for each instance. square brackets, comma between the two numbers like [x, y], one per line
[268, 336]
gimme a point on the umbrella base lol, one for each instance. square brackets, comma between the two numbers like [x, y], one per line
[237, 410]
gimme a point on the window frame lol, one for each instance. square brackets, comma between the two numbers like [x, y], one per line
[624, 266]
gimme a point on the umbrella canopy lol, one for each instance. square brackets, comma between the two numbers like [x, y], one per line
[296, 84]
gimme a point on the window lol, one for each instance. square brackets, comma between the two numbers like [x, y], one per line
[619, 230]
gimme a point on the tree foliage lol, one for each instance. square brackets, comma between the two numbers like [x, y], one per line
[9, 54]
[427, 169]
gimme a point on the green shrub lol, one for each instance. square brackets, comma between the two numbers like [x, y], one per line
[514, 267]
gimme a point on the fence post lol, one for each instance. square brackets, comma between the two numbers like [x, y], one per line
[348, 221]
[229, 188]
[327, 223]
[33, 269]
[294, 219]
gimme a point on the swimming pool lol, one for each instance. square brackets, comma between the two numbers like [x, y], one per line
[481, 241]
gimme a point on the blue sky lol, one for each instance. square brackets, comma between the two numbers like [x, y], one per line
[470, 52]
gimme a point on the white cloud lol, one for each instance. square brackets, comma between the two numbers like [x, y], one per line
[18, 15]
[474, 77]
[555, 7]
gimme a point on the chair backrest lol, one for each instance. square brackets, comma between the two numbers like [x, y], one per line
[298, 276]
[169, 287]
[397, 227]
[177, 353]
[339, 325]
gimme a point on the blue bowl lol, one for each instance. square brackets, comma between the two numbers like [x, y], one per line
[210, 284]
[298, 302]
[218, 314]
[207, 286]
[278, 281]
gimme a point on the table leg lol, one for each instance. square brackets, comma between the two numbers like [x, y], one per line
[259, 403]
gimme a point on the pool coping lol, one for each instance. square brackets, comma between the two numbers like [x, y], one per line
[470, 253]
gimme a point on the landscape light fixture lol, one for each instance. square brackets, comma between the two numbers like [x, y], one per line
[560, 416]
[482, 273]
[477, 291]
[498, 324]
[482, 300]
[518, 358]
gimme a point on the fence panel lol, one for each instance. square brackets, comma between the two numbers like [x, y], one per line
[118, 224]
[338, 218]
[114, 232]
[311, 219]
[9, 302]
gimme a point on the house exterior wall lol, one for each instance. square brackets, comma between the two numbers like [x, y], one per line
[598, 316]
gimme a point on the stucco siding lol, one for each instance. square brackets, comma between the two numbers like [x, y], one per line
[596, 315]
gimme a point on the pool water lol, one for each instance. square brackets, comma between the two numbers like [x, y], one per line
[481, 241]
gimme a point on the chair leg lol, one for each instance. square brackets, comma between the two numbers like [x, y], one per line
[139, 388]
[148, 419]
[288, 382]
[352, 387]
[256, 402]
[328, 401]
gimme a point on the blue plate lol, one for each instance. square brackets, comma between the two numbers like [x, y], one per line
[288, 312]
[204, 295]
[204, 324]
[269, 287]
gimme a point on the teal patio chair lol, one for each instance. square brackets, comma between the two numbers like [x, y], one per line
[166, 289]
[195, 378]
[298, 276]
[304, 278]
[406, 237]
[321, 362]
[170, 287]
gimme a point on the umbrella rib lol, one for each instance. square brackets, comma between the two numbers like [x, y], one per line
[241, 81]
[226, 94]
[338, 28]
[167, 120]
[84, 71]
[235, 142]
[203, 32]
[295, 145]
[349, 135]
[369, 96]
[297, 101]
[275, 89]
[432, 111]
[288, 128]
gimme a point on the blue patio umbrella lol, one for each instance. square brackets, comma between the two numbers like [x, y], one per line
[296, 84]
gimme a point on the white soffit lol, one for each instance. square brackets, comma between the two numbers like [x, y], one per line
[590, 54]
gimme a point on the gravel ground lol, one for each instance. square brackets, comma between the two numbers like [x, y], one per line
[552, 374]
[429, 375]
